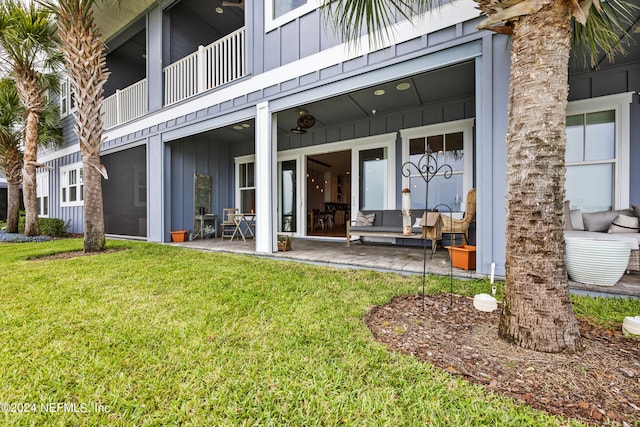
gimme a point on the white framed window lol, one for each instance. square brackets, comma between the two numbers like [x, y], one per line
[42, 194]
[67, 99]
[279, 12]
[597, 157]
[449, 143]
[71, 185]
[246, 186]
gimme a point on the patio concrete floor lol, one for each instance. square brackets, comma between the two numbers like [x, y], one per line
[387, 257]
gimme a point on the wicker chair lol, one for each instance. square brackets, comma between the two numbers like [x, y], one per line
[461, 226]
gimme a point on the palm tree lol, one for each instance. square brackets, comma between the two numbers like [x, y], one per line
[29, 50]
[537, 312]
[11, 159]
[84, 52]
[12, 127]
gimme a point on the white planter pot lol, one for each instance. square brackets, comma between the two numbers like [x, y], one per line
[597, 261]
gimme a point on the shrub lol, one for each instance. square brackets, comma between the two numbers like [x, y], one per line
[54, 227]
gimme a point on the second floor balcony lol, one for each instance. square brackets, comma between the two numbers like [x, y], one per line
[211, 66]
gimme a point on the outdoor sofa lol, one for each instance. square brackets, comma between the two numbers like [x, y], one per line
[383, 223]
[609, 225]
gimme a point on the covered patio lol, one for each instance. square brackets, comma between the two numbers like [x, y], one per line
[391, 258]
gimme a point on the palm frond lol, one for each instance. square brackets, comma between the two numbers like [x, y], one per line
[606, 32]
[375, 18]
[49, 128]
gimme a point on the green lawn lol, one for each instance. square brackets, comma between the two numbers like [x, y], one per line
[157, 335]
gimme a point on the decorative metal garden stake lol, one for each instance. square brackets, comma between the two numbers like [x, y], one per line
[428, 168]
[406, 212]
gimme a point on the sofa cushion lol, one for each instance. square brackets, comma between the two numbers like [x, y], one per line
[363, 220]
[392, 218]
[636, 210]
[598, 221]
[624, 224]
[576, 220]
[567, 216]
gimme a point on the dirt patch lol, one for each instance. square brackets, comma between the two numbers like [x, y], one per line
[75, 254]
[599, 385]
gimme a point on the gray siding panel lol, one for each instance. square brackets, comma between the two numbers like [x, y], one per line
[310, 24]
[73, 215]
[607, 81]
[193, 155]
[291, 51]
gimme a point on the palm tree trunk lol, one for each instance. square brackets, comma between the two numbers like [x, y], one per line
[85, 56]
[11, 163]
[94, 239]
[29, 175]
[13, 206]
[537, 312]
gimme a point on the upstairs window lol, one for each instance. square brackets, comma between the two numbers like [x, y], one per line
[67, 99]
[282, 7]
[279, 12]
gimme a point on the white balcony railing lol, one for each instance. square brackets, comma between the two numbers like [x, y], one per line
[221, 62]
[125, 105]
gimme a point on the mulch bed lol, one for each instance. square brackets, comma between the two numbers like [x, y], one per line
[75, 254]
[599, 385]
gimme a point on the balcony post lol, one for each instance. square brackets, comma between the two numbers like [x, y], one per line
[202, 69]
[119, 119]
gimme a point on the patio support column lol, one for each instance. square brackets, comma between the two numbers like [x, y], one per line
[265, 179]
[155, 189]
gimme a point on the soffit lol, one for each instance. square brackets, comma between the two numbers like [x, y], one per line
[112, 18]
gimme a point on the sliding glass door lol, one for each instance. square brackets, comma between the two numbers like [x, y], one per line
[373, 170]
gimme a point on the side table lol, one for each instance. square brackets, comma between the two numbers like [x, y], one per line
[202, 220]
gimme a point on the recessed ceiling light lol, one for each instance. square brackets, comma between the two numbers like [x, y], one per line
[403, 86]
[237, 127]
[246, 125]
[379, 92]
[219, 10]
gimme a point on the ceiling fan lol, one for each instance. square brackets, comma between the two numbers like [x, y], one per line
[305, 121]
[234, 3]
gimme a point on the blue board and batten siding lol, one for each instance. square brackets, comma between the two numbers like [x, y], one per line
[72, 214]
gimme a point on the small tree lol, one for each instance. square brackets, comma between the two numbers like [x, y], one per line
[12, 125]
[11, 159]
[29, 52]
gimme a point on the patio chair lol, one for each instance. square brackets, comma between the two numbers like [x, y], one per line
[461, 226]
[228, 222]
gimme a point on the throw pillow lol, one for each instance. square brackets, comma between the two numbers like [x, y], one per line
[624, 224]
[636, 209]
[576, 220]
[599, 221]
[567, 216]
[363, 220]
[417, 223]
